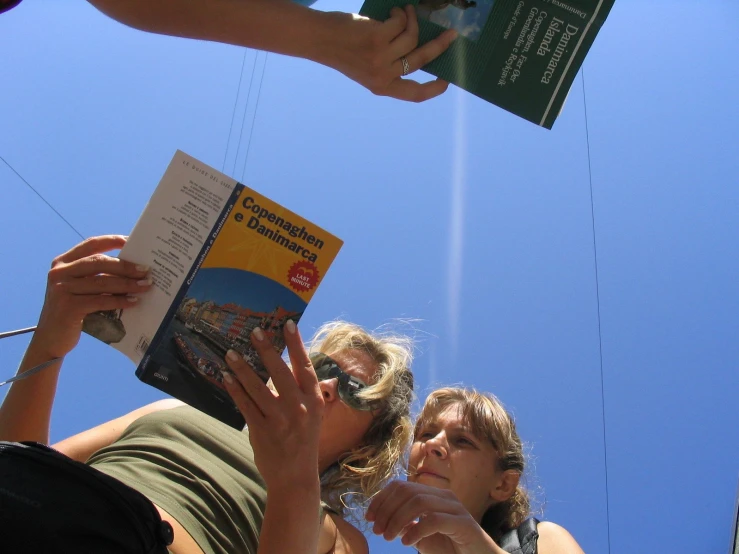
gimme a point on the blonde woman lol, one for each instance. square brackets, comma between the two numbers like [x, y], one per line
[167, 478]
[463, 494]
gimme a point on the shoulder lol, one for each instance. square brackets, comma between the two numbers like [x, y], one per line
[555, 539]
[81, 446]
[348, 539]
[158, 406]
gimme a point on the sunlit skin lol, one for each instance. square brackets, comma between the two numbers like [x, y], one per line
[454, 477]
[447, 455]
[343, 427]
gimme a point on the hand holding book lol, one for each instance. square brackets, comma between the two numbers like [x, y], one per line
[284, 426]
[378, 55]
[82, 281]
[366, 51]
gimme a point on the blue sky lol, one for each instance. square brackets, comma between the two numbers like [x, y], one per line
[470, 222]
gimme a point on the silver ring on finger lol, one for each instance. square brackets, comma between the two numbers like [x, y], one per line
[406, 66]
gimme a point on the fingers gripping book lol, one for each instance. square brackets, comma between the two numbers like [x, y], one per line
[521, 55]
[224, 259]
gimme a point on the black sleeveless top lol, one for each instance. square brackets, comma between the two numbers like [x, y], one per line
[523, 539]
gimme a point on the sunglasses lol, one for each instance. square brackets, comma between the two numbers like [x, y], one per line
[348, 387]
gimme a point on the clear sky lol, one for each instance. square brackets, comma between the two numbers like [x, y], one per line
[471, 223]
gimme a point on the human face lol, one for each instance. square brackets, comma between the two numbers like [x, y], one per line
[447, 455]
[343, 427]
[349, 387]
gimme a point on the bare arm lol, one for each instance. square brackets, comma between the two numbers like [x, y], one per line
[279, 26]
[554, 539]
[82, 445]
[81, 281]
[367, 51]
[26, 411]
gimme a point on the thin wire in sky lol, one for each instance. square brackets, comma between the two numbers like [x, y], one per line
[254, 117]
[42, 198]
[246, 107]
[233, 115]
[597, 298]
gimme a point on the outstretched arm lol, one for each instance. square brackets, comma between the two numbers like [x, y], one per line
[367, 51]
[80, 281]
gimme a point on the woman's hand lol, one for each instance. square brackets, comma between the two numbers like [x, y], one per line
[428, 518]
[370, 52]
[284, 426]
[367, 51]
[82, 281]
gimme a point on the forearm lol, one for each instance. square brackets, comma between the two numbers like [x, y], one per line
[291, 520]
[279, 26]
[25, 413]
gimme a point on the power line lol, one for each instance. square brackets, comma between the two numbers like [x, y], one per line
[254, 116]
[597, 298]
[246, 106]
[42, 198]
[233, 115]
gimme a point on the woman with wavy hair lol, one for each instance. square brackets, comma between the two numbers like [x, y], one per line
[463, 494]
[168, 478]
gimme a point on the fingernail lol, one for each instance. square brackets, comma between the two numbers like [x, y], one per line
[141, 267]
[144, 282]
[369, 516]
[258, 334]
[132, 298]
[290, 326]
[227, 377]
[232, 356]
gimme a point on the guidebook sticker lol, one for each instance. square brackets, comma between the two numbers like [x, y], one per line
[303, 276]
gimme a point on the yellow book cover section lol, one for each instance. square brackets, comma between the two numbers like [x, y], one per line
[246, 262]
[263, 238]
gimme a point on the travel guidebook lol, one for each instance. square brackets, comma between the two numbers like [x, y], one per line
[224, 259]
[521, 55]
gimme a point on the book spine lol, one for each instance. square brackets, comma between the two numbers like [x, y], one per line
[142, 371]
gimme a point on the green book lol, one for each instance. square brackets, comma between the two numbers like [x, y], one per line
[521, 55]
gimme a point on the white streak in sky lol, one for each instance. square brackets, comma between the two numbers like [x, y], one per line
[456, 232]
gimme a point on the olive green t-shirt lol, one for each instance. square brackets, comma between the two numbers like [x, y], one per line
[198, 470]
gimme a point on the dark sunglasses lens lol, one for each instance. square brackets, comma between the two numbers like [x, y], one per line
[348, 386]
[324, 366]
[349, 390]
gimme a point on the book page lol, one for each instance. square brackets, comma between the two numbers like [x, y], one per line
[168, 237]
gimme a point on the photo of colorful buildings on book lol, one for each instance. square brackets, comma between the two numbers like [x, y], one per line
[220, 310]
[216, 329]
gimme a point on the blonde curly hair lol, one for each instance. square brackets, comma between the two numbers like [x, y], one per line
[363, 471]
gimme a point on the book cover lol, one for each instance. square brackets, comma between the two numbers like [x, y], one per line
[225, 259]
[521, 55]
